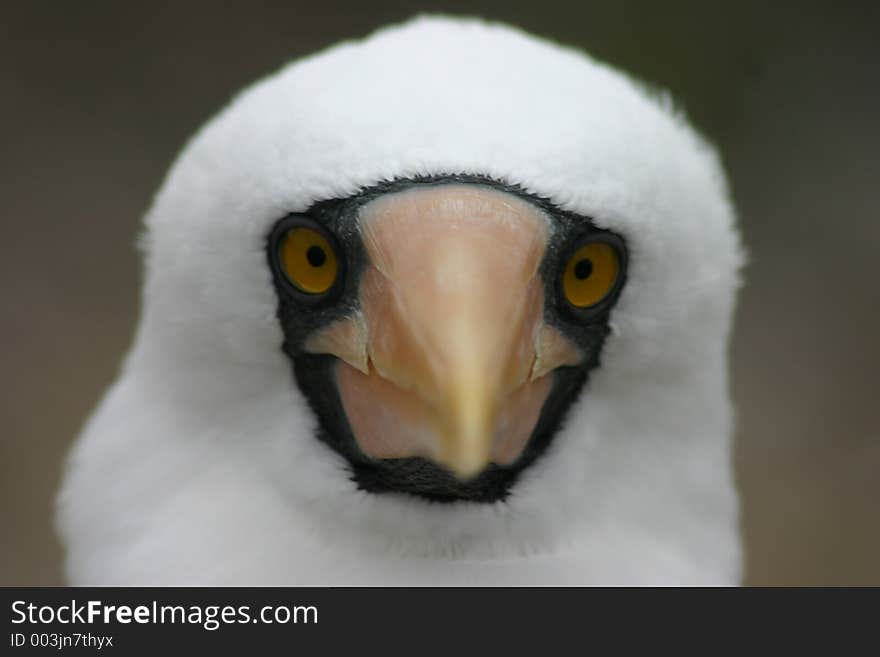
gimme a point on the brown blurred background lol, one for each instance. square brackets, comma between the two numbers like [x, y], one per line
[97, 98]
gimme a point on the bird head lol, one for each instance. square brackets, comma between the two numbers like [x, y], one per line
[453, 263]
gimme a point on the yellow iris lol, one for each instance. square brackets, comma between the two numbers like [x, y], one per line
[309, 261]
[590, 274]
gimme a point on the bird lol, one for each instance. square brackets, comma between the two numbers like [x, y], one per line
[449, 304]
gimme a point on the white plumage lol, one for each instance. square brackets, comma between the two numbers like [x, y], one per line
[200, 466]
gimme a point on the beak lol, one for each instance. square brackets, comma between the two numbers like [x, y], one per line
[447, 357]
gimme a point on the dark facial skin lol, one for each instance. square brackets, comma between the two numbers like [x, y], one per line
[300, 315]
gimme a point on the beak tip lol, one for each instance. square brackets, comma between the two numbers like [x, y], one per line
[466, 466]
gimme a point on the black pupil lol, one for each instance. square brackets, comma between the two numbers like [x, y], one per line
[583, 269]
[316, 256]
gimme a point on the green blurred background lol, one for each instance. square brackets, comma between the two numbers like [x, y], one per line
[97, 98]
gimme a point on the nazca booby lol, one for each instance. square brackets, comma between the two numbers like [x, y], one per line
[448, 305]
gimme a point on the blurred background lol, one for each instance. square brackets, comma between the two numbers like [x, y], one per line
[97, 98]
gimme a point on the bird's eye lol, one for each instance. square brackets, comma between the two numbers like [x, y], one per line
[591, 274]
[308, 259]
